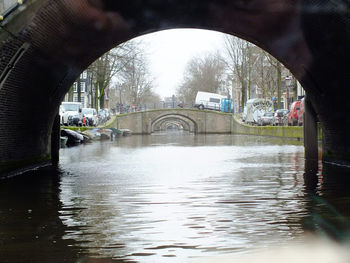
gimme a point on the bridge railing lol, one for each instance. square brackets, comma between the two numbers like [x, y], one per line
[125, 108]
[8, 6]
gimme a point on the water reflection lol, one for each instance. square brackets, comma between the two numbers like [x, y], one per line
[168, 198]
[179, 197]
[329, 201]
[184, 138]
[30, 227]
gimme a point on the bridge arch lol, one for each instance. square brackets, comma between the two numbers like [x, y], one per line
[163, 125]
[188, 122]
[194, 120]
[48, 43]
[168, 125]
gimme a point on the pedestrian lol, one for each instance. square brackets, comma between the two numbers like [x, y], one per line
[84, 121]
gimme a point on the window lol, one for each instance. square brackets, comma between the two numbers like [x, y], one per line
[214, 100]
[70, 107]
[88, 111]
[83, 86]
[83, 75]
[82, 99]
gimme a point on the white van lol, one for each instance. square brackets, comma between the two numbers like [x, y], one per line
[207, 100]
[71, 113]
[255, 109]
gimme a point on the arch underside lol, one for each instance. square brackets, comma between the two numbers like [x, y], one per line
[47, 44]
[169, 123]
[187, 124]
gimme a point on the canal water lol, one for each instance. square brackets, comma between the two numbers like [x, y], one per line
[169, 197]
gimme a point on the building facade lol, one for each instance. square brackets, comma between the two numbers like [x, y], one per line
[85, 90]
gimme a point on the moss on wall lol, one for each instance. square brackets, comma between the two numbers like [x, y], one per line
[295, 132]
[112, 123]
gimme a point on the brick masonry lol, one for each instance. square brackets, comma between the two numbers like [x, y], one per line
[198, 121]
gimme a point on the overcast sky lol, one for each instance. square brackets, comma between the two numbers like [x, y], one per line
[170, 50]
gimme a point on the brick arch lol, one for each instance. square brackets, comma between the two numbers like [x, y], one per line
[173, 123]
[162, 125]
[46, 45]
[191, 124]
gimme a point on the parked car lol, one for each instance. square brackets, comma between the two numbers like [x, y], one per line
[280, 117]
[293, 113]
[61, 112]
[266, 119]
[71, 113]
[108, 113]
[91, 116]
[207, 100]
[301, 113]
[103, 115]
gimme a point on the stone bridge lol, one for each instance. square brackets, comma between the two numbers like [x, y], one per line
[192, 120]
[46, 44]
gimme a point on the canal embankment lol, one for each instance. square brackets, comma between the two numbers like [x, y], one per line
[290, 132]
[74, 135]
[237, 127]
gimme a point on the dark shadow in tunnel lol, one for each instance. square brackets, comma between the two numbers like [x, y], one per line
[311, 175]
[335, 180]
[326, 190]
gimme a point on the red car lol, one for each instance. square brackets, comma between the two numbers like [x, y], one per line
[293, 113]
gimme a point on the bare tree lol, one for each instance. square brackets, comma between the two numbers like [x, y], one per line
[253, 66]
[278, 67]
[151, 101]
[134, 75]
[202, 74]
[264, 74]
[240, 60]
[105, 68]
[102, 71]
